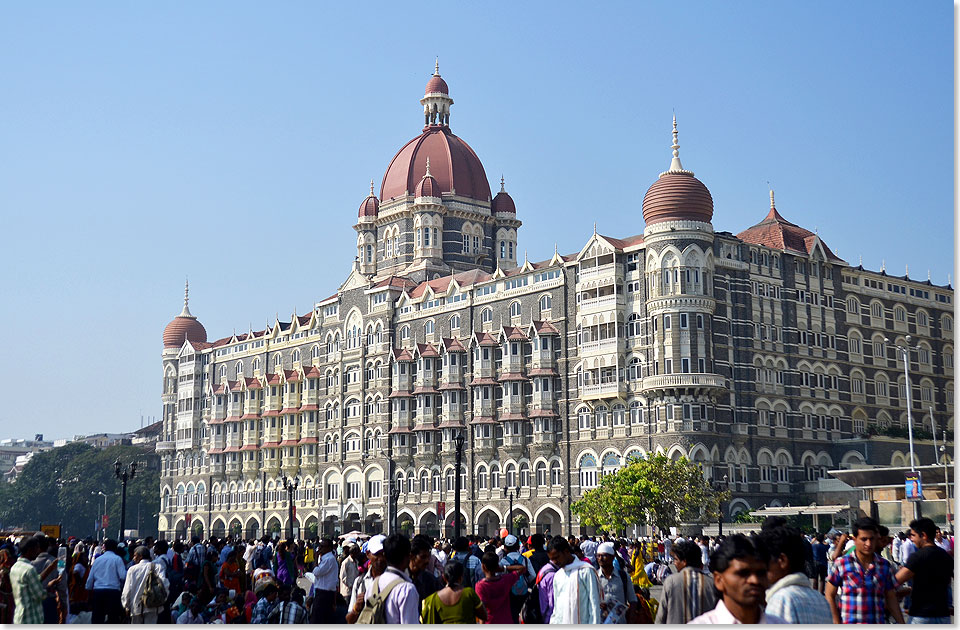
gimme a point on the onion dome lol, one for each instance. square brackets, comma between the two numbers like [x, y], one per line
[436, 84]
[503, 202]
[370, 206]
[184, 326]
[428, 186]
[677, 195]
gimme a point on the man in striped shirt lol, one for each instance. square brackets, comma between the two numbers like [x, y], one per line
[688, 593]
[28, 592]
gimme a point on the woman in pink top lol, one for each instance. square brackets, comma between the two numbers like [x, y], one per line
[494, 588]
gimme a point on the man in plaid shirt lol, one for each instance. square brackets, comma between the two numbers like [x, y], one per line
[290, 609]
[869, 589]
[28, 592]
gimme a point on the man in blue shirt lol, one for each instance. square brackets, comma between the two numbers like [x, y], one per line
[105, 582]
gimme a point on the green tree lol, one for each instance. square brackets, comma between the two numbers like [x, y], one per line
[655, 490]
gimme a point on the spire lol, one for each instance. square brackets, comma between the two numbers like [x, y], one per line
[773, 206]
[906, 274]
[502, 189]
[371, 189]
[675, 164]
[427, 174]
[436, 68]
[186, 300]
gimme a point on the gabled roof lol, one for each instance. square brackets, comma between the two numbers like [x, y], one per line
[253, 383]
[427, 350]
[485, 339]
[395, 282]
[623, 243]
[401, 354]
[545, 328]
[514, 333]
[776, 232]
[452, 345]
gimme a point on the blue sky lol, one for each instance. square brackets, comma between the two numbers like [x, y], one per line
[232, 142]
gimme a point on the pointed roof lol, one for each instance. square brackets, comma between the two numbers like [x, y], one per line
[776, 232]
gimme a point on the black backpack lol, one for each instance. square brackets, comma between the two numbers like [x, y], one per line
[530, 611]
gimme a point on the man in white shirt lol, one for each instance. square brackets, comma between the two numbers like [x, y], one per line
[740, 576]
[324, 589]
[133, 587]
[403, 602]
[576, 588]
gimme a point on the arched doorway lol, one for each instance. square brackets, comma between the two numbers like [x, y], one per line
[488, 523]
[549, 523]
[429, 525]
[273, 528]
[405, 524]
[180, 532]
[253, 529]
[236, 529]
[448, 523]
[219, 528]
[351, 522]
[312, 529]
[331, 526]
[196, 529]
[373, 524]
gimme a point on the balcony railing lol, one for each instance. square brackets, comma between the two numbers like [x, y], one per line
[667, 381]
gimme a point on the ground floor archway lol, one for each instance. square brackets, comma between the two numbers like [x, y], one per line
[373, 524]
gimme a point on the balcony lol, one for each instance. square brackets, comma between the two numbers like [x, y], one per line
[599, 275]
[605, 303]
[700, 382]
[601, 346]
[167, 445]
[602, 390]
[186, 443]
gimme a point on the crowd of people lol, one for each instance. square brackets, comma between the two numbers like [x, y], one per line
[778, 575]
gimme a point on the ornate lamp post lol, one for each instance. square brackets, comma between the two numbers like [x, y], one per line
[510, 517]
[458, 443]
[290, 485]
[720, 486]
[124, 474]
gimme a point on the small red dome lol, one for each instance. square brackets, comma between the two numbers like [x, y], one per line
[428, 187]
[369, 207]
[453, 164]
[183, 327]
[503, 202]
[436, 85]
[677, 196]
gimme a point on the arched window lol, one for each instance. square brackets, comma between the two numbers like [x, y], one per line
[546, 302]
[515, 309]
[256, 363]
[296, 355]
[766, 466]
[588, 472]
[239, 368]
[428, 327]
[524, 475]
[783, 471]
[277, 360]
[619, 413]
[556, 473]
[315, 352]
[405, 332]
[542, 476]
[455, 322]
[486, 316]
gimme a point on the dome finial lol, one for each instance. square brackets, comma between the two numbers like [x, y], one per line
[427, 174]
[502, 189]
[773, 206]
[675, 164]
[186, 299]
[371, 188]
[436, 68]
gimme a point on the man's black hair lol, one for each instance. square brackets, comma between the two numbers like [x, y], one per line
[490, 561]
[785, 540]
[867, 524]
[689, 552]
[461, 543]
[883, 530]
[559, 544]
[924, 526]
[420, 544]
[773, 521]
[737, 547]
[29, 544]
[161, 547]
[537, 541]
[396, 550]
[110, 545]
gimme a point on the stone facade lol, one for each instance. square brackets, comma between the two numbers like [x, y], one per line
[765, 362]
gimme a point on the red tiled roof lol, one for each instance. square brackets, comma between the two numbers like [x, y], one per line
[232, 449]
[485, 339]
[512, 416]
[313, 372]
[400, 394]
[395, 282]
[214, 451]
[270, 413]
[310, 408]
[271, 444]
[289, 443]
[220, 389]
[544, 372]
[286, 410]
[450, 424]
[513, 376]
[776, 232]
[677, 196]
[232, 419]
[483, 420]
[545, 328]
[254, 383]
[425, 390]
[514, 333]
[452, 162]
[399, 429]
[250, 416]
[623, 243]
[216, 421]
[453, 345]
[292, 376]
[304, 319]
[249, 447]
[542, 413]
[483, 381]
[309, 440]
[235, 386]
[273, 379]
[439, 285]
[427, 350]
[448, 386]
[402, 354]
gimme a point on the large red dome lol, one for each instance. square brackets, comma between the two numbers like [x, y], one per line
[677, 196]
[453, 164]
[182, 328]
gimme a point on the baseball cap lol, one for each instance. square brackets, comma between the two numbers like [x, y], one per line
[606, 548]
[375, 544]
[510, 541]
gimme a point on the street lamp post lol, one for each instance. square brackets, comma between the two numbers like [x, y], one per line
[720, 486]
[394, 499]
[946, 478]
[510, 526]
[124, 474]
[290, 485]
[101, 532]
[458, 443]
[905, 354]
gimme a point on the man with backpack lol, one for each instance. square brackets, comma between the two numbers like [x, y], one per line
[194, 563]
[616, 589]
[145, 589]
[473, 572]
[521, 588]
[394, 597]
[173, 570]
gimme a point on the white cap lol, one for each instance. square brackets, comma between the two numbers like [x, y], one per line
[510, 540]
[375, 544]
[606, 548]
